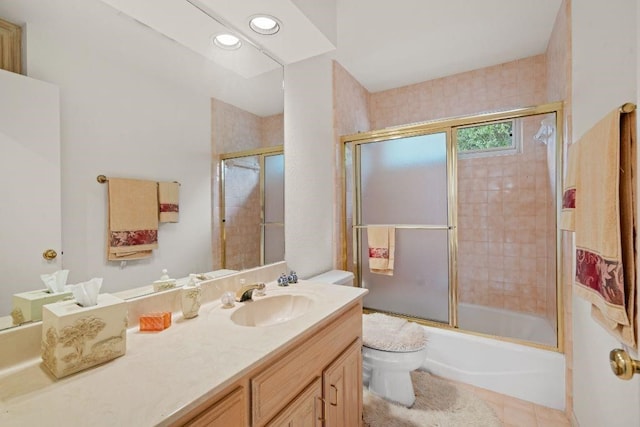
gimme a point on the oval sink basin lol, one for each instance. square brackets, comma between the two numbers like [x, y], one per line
[271, 310]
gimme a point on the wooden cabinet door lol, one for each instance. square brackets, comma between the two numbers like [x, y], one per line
[342, 388]
[229, 411]
[304, 411]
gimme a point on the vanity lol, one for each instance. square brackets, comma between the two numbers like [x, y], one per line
[299, 365]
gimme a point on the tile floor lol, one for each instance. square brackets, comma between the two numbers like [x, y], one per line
[520, 413]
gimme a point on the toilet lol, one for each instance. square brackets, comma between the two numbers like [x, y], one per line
[392, 348]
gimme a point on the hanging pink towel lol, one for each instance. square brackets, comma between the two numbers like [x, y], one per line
[382, 244]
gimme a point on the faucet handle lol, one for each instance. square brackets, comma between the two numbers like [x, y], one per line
[259, 291]
[283, 280]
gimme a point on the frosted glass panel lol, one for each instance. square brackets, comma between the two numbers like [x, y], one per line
[274, 208]
[274, 188]
[420, 283]
[404, 181]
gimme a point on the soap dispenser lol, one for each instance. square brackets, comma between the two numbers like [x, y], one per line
[191, 297]
[164, 283]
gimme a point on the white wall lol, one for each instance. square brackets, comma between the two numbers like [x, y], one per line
[123, 115]
[309, 163]
[604, 73]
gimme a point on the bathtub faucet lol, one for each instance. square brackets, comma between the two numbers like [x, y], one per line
[246, 292]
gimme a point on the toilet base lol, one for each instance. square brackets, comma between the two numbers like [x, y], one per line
[393, 386]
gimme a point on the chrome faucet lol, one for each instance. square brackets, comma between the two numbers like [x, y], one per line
[246, 291]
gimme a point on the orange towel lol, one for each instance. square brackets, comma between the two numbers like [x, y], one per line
[168, 201]
[598, 204]
[382, 244]
[133, 219]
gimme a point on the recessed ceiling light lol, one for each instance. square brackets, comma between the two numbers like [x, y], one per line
[227, 41]
[264, 24]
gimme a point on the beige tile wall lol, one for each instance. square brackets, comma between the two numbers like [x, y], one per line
[236, 130]
[503, 229]
[510, 85]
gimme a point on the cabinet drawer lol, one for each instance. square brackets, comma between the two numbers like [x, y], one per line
[280, 383]
[228, 411]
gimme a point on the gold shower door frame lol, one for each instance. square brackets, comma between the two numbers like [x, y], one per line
[261, 153]
[448, 126]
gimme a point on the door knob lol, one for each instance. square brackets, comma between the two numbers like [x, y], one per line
[622, 365]
[49, 254]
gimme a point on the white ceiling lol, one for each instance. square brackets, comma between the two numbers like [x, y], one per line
[383, 43]
[393, 43]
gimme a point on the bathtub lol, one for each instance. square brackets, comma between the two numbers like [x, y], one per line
[506, 323]
[516, 370]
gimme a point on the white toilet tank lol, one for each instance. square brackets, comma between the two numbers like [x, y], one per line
[336, 277]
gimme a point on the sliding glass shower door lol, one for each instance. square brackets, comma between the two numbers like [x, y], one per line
[403, 184]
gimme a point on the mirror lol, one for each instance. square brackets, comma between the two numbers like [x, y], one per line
[134, 100]
[252, 208]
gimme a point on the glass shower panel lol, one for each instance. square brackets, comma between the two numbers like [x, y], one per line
[273, 208]
[404, 182]
[242, 212]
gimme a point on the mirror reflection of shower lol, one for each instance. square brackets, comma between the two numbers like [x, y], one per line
[252, 212]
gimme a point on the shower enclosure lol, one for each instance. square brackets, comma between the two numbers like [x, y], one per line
[473, 202]
[252, 208]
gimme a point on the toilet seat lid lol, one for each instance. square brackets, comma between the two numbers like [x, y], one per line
[388, 333]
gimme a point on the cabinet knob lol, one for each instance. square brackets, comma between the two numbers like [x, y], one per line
[49, 254]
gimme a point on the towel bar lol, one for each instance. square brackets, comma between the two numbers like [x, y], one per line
[408, 226]
[102, 179]
[628, 107]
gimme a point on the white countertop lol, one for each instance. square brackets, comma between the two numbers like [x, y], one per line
[163, 374]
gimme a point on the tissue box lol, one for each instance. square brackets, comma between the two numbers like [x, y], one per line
[27, 306]
[75, 338]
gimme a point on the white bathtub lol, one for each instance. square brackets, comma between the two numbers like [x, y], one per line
[506, 323]
[516, 370]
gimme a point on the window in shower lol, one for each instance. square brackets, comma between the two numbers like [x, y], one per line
[476, 236]
[489, 139]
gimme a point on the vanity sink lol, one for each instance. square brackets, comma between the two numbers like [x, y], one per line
[271, 310]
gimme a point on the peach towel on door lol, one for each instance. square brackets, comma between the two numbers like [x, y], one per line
[168, 200]
[598, 204]
[382, 245]
[133, 219]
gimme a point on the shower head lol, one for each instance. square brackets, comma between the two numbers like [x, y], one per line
[546, 131]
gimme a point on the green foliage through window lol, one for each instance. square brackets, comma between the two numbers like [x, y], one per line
[485, 137]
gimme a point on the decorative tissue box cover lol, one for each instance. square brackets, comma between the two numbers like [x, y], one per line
[27, 306]
[75, 338]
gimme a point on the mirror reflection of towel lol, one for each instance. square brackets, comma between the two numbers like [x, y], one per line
[382, 244]
[168, 200]
[133, 219]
